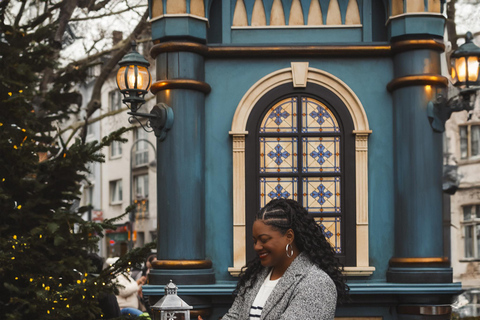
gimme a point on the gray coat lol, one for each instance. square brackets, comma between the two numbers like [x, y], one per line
[304, 292]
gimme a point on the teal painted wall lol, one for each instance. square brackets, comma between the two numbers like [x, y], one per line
[368, 79]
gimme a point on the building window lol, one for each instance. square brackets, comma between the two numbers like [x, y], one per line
[141, 196]
[87, 195]
[141, 186]
[141, 148]
[116, 192]
[469, 141]
[115, 100]
[115, 149]
[471, 225]
[300, 146]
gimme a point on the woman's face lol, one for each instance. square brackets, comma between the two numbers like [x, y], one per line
[270, 244]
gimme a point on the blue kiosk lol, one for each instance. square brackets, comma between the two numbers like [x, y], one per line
[322, 101]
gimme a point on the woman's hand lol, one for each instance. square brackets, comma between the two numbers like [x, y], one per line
[200, 318]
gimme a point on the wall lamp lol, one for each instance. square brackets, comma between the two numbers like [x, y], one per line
[465, 66]
[133, 81]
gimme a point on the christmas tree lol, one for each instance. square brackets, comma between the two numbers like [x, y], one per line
[46, 271]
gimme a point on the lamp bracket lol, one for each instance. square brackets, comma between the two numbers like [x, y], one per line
[440, 109]
[159, 120]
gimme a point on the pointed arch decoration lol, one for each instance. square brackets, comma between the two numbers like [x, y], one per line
[296, 14]
[315, 14]
[334, 16]
[240, 15]
[258, 14]
[299, 74]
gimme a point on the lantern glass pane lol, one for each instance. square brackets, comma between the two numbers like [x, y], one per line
[453, 74]
[121, 78]
[472, 68]
[144, 80]
[461, 68]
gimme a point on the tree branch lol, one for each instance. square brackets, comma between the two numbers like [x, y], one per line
[66, 11]
[95, 102]
[104, 15]
[19, 14]
[80, 124]
[98, 6]
[48, 13]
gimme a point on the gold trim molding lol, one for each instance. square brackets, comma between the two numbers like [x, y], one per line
[417, 80]
[270, 51]
[182, 264]
[406, 45]
[180, 84]
[419, 260]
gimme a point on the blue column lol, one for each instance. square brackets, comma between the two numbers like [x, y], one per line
[180, 75]
[417, 152]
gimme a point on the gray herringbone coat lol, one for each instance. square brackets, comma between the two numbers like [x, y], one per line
[304, 292]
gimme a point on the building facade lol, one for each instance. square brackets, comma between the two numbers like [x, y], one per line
[462, 151]
[128, 175]
[322, 101]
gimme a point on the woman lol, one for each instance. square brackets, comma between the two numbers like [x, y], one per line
[128, 289]
[295, 274]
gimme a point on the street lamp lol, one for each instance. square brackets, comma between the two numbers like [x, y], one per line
[133, 78]
[465, 64]
[465, 67]
[133, 81]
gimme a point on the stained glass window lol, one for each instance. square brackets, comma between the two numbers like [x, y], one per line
[282, 117]
[300, 158]
[331, 230]
[316, 117]
[278, 154]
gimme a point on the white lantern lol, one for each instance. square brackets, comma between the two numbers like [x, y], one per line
[171, 307]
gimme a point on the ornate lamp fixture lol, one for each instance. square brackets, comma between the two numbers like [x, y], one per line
[465, 67]
[465, 64]
[171, 306]
[133, 81]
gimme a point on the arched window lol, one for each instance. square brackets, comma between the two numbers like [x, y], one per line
[327, 92]
[298, 148]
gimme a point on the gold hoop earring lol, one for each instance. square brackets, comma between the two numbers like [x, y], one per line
[289, 250]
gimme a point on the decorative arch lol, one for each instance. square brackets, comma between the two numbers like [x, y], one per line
[299, 74]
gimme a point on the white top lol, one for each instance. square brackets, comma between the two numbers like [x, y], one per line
[262, 296]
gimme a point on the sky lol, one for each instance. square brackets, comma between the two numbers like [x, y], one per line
[467, 16]
[95, 35]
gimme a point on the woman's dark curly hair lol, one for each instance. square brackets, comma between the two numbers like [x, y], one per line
[285, 214]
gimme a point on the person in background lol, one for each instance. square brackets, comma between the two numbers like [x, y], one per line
[295, 274]
[148, 264]
[128, 289]
[143, 278]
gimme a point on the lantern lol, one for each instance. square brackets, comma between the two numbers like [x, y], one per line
[171, 307]
[465, 63]
[133, 78]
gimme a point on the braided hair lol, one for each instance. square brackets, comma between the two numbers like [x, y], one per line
[285, 214]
